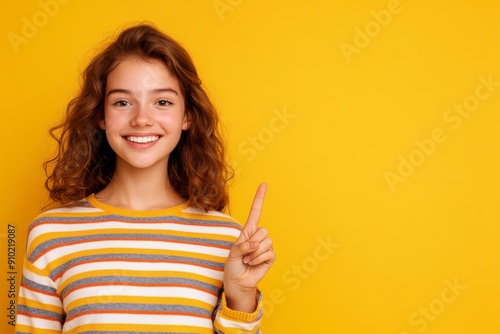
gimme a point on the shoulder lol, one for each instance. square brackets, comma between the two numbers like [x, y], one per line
[208, 227]
[208, 217]
[208, 214]
[72, 209]
[57, 223]
[48, 221]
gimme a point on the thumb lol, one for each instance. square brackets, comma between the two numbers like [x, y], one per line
[241, 249]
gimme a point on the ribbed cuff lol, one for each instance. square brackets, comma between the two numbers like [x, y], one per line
[239, 315]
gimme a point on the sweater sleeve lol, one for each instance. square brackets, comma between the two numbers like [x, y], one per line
[228, 321]
[39, 306]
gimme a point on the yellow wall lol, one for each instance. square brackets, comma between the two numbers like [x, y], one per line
[374, 123]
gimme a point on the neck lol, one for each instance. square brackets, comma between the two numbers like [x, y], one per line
[140, 189]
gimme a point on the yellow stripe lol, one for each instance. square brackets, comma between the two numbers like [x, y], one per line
[29, 329]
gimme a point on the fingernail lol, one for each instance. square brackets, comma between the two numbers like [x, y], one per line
[246, 259]
[254, 244]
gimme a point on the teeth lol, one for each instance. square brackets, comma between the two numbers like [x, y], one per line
[141, 140]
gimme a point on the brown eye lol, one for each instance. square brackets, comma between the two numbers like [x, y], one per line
[121, 103]
[164, 103]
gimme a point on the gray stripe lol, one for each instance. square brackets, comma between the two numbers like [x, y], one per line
[44, 313]
[135, 257]
[107, 236]
[124, 280]
[37, 286]
[147, 308]
[126, 219]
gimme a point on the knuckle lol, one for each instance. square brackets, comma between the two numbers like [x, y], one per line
[264, 231]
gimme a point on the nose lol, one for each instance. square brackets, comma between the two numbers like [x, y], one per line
[142, 117]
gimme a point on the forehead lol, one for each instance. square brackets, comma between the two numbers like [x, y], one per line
[134, 72]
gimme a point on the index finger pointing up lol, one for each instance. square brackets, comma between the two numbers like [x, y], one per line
[254, 215]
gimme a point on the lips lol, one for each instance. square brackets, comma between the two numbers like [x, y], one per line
[142, 139]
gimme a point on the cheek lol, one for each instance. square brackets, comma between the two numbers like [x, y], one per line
[171, 122]
[112, 121]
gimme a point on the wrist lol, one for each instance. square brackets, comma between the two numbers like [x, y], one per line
[243, 300]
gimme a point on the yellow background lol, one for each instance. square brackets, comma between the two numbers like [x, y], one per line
[347, 120]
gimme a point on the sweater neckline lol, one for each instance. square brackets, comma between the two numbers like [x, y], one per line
[135, 213]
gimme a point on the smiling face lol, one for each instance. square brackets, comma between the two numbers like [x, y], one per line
[143, 113]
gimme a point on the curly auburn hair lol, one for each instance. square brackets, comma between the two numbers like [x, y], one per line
[85, 162]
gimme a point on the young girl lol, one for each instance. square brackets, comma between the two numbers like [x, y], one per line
[138, 243]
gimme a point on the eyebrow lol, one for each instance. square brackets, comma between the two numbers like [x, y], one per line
[156, 91]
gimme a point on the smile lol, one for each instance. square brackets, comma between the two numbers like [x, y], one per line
[141, 140]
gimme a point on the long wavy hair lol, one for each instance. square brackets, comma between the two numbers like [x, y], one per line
[85, 163]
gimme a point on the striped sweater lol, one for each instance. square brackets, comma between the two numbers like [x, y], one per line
[93, 268]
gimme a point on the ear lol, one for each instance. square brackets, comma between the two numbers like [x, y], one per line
[102, 124]
[188, 119]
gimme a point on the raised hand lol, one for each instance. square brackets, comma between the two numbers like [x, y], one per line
[249, 259]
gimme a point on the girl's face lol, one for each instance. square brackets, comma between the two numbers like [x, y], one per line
[143, 113]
